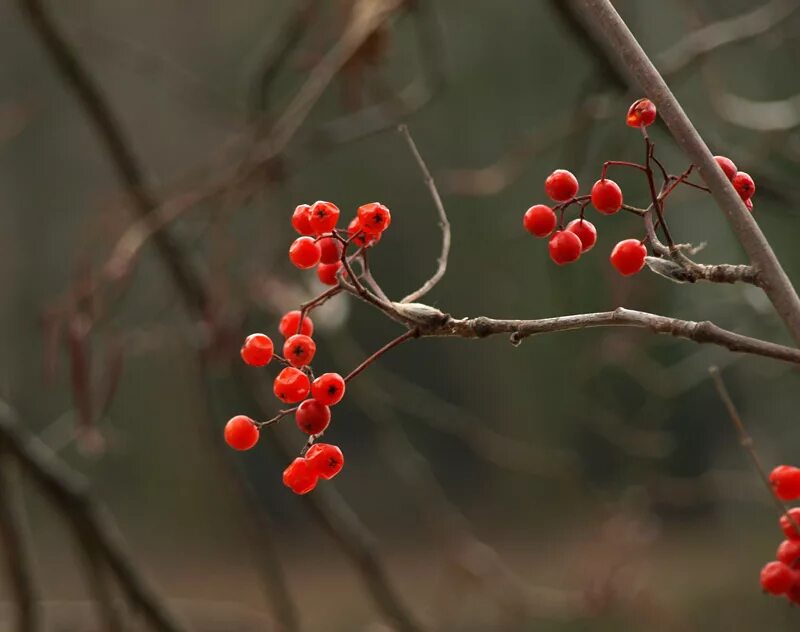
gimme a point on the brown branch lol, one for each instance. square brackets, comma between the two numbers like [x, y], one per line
[69, 491]
[444, 223]
[622, 44]
[16, 545]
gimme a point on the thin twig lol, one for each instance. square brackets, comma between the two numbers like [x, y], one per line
[444, 223]
[411, 333]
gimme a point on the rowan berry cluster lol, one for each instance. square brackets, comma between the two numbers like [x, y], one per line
[782, 576]
[325, 247]
[568, 242]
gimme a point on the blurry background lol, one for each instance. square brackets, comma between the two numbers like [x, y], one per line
[583, 481]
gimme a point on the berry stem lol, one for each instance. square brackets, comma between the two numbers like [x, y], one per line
[746, 441]
[411, 333]
[649, 149]
[308, 306]
[620, 163]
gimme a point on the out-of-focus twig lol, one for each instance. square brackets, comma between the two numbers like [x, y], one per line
[17, 550]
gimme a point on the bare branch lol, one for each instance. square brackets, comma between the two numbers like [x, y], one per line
[760, 116]
[69, 491]
[16, 545]
[444, 223]
[621, 42]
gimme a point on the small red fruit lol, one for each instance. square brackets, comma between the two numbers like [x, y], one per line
[788, 552]
[330, 250]
[606, 196]
[361, 238]
[539, 220]
[642, 113]
[777, 578]
[328, 389]
[290, 323]
[744, 185]
[323, 217]
[241, 433]
[325, 459]
[565, 247]
[749, 204]
[300, 220]
[628, 256]
[585, 231]
[291, 385]
[299, 350]
[304, 253]
[312, 417]
[326, 272]
[300, 477]
[786, 524]
[785, 481]
[257, 350]
[374, 218]
[561, 185]
[727, 166]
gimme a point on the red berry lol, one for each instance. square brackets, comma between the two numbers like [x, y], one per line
[328, 389]
[323, 217]
[539, 220]
[330, 250]
[585, 231]
[642, 113]
[300, 477]
[777, 578]
[786, 525]
[312, 417]
[561, 185]
[304, 253]
[291, 385]
[299, 350]
[300, 219]
[326, 272]
[744, 185]
[606, 196]
[359, 237]
[241, 433]
[374, 218]
[788, 552]
[793, 594]
[257, 350]
[727, 166]
[749, 204]
[565, 247]
[785, 481]
[325, 459]
[628, 256]
[290, 322]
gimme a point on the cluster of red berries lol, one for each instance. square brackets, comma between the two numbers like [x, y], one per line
[782, 576]
[323, 246]
[568, 243]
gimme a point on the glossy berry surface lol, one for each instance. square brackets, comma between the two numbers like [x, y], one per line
[290, 322]
[326, 272]
[325, 459]
[291, 385]
[330, 250]
[374, 218]
[787, 527]
[642, 113]
[777, 578]
[585, 231]
[361, 238]
[788, 552]
[727, 166]
[304, 253]
[606, 196]
[241, 433]
[628, 256]
[565, 247]
[328, 389]
[561, 185]
[785, 481]
[744, 185]
[257, 350]
[323, 217]
[300, 219]
[312, 417]
[300, 477]
[539, 220]
[299, 350]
